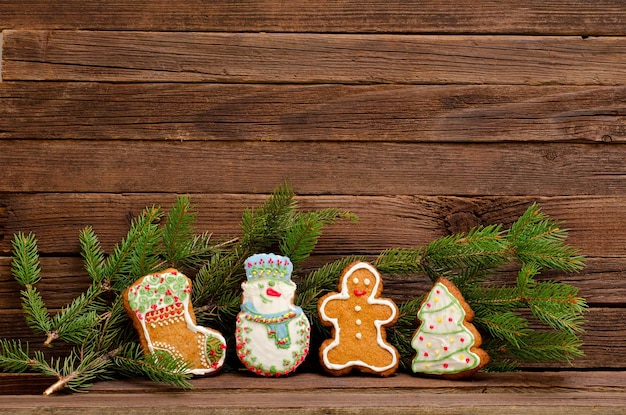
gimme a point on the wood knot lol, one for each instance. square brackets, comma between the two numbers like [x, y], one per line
[461, 222]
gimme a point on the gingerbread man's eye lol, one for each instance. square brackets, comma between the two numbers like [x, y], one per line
[366, 281]
[355, 280]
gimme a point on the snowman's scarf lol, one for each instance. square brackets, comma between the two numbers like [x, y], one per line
[277, 323]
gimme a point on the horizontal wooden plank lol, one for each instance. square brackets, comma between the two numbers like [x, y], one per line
[595, 223]
[402, 394]
[488, 383]
[411, 113]
[314, 168]
[311, 58]
[577, 17]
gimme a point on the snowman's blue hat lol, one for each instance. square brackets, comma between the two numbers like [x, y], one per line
[268, 266]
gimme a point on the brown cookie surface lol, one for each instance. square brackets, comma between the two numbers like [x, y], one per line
[358, 317]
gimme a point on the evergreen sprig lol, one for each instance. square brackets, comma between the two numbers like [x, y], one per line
[504, 314]
[95, 322]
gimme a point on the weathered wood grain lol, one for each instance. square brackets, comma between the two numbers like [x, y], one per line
[399, 113]
[403, 394]
[575, 17]
[595, 223]
[488, 383]
[314, 168]
[311, 58]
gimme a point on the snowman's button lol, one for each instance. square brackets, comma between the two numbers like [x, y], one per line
[358, 336]
[357, 308]
[358, 322]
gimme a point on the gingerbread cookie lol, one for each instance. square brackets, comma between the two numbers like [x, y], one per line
[160, 308]
[358, 318]
[272, 334]
[447, 344]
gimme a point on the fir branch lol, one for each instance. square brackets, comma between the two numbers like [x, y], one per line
[92, 253]
[77, 371]
[267, 224]
[481, 247]
[547, 347]
[14, 358]
[123, 266]
[534, 237]
[302, 235]
[35, 312]
[159, 367]
[507, 326]
[182, 246]
[400, 261]
[25, 264]
[74, 321]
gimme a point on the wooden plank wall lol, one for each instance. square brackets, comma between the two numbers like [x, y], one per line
[422, 117]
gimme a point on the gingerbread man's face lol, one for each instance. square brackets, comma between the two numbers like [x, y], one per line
[360, 284]
[269, 295]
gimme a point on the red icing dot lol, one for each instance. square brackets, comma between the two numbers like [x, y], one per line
[421, 338]
[445, 348]
[450, 319]
[438, 292]
[432, 326]
[462, 339]
[425, 354]
[428, 305]
[467, 360]
[445, 365]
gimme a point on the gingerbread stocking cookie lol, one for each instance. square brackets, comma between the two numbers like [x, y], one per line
[358, 317]
[160, 308]
[446, 343]
[272, 334]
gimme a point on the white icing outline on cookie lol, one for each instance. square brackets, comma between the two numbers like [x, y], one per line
[454, 359]
[344, 295]
[190, 325]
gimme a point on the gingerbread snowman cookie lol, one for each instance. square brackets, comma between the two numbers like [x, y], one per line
[446, 343]
[272, 334]
[358, 317]
[160, 307]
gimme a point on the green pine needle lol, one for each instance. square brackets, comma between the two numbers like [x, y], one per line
[14, 358]
[93, 255]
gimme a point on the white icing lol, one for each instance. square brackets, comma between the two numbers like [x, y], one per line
[371, 299]
[442, 342]
[256, 349]
[152, 346]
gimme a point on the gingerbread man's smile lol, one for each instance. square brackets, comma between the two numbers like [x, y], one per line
[360, 293]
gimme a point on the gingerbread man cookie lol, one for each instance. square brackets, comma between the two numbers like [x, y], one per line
[446, 343]
[358, 318]
[160, 307]
[272, 334]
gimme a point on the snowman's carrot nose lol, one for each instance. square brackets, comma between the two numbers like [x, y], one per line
[272, 292]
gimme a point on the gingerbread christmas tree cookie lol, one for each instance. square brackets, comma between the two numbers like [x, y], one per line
[358, 317]
[446, 343]
[272, 334]
[160, 307]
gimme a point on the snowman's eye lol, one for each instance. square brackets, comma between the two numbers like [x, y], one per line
[271, 283]
[355, 280]
[366, 281]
